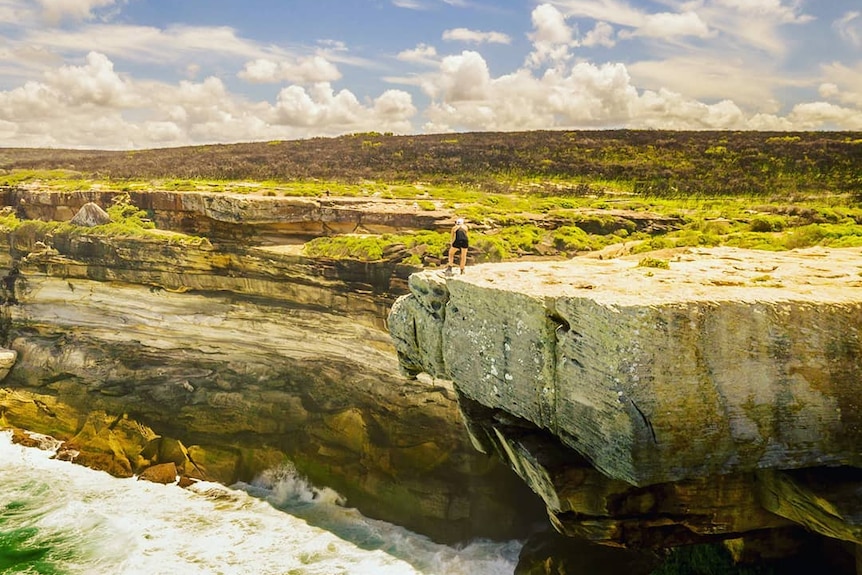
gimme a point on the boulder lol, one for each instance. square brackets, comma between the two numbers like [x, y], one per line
[164, 473]
[90, 215]
[7, 360]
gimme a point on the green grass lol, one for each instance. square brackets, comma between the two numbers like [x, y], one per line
[517, 215]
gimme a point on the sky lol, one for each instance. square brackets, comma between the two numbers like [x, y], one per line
[137, 74]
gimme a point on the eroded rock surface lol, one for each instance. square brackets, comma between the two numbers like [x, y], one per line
[674, 387]
[251, 358]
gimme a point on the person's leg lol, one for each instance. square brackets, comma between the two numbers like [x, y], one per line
[463, 258]
[451, 258]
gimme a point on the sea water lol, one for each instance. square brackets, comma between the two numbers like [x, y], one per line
[58, 518]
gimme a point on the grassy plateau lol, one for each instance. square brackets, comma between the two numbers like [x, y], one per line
[527, 194]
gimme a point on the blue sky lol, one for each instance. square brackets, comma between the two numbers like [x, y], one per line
[129, 74]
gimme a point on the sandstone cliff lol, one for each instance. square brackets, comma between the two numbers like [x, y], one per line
[652, 406]
[227, 358]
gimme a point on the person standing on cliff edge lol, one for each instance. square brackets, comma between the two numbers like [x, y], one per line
[460, 242]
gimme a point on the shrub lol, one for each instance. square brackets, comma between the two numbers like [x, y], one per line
[767, 224]
[128, 215]
[654, 263]
[803, 237]
[490, 248]
[571, 238]
[365, 248]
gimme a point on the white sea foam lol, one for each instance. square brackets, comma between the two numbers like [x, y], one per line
[280, 524]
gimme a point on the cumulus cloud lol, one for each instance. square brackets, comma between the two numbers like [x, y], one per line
[476, 37]
[691, 66]
[552, 36]
[463, 77]
[816, 115]
[321, 106]
[585, 96]
[303, 70]
[95, 83]
[394, 106]
[92, 86]
[91, 105]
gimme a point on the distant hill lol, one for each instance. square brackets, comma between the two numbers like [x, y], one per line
[657, 161]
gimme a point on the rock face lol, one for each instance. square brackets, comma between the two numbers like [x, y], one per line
[644, 404]
[250, 356]
[250, 219]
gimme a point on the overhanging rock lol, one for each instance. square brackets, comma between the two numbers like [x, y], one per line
[729, 361]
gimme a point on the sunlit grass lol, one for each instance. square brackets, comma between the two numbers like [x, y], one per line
[509, 218]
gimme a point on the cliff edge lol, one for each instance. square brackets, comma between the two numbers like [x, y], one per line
[701, 373]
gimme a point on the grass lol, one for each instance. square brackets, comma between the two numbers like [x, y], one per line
[549, 193]
[126, 221]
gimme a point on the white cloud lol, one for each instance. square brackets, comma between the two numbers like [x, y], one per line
[707, 76]
[410, 4]
[91, 105]
[615, 11]
[587, 96]
[670, 110]
[338, 112]
[693, 64]
[757, 24]
[13, 12]
[394, 105]
[56, 10]
[87, 89]
[774, 9]
[96, 83]
[665, 24]
[601, 35]
[303, 70]
[816, 115]
[421, 54]
[843, 84]
[849, 28]
[753, 23]
[149, 44]
[476, 37]
[549, 25]
[463, 77]
[552, 37]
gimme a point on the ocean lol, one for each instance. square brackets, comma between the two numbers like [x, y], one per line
[59, 518]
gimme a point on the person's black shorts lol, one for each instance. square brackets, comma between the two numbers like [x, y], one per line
[460, 244]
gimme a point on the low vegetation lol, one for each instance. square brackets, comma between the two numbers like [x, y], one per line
[552, 194]
[126, 221]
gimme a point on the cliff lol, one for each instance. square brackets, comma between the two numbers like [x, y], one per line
[228, 358]
[647, 406]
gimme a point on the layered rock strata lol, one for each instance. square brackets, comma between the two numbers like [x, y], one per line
[239, 361]
[652, 406]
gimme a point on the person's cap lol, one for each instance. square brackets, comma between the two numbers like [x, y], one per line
[459, 221]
